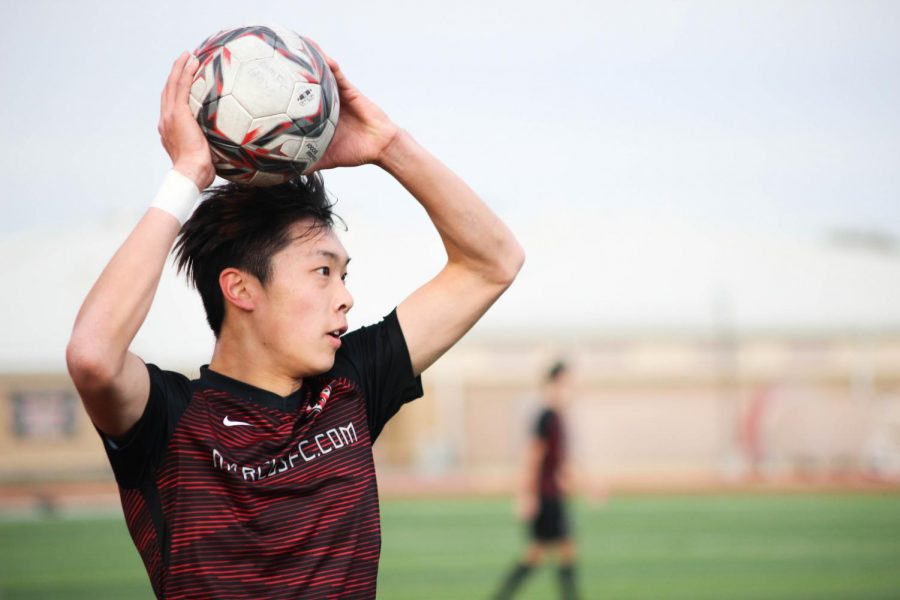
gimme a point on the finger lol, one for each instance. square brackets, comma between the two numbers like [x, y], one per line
[332, 64]
[164, 93]
[335, 67]
[162, 106]
[183, 88]
[345, 88]
[172, 81]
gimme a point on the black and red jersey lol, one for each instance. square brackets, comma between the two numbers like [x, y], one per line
[549, 429]
[231, 491]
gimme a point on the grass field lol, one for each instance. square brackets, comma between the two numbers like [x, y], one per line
[842, 546]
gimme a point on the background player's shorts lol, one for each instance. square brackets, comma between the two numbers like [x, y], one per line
[550, 523]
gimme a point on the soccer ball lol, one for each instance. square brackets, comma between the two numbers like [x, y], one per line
[266, 101]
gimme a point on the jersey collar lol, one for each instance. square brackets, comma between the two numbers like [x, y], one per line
[251, 393]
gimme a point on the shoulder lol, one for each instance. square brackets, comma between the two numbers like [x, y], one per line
[169, 383]
[364, 348]
[548, 421]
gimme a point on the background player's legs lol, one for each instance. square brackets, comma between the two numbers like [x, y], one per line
[566, 551]
[534, 554]
[554, 526]
[567, 569]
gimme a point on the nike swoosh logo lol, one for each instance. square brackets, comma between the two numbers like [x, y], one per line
[229, 423]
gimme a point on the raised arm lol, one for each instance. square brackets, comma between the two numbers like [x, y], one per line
[113, 382]
[483, 256]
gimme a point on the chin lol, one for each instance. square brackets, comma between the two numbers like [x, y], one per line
[321, 366]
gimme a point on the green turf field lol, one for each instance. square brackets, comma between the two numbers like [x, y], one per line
[691, 547]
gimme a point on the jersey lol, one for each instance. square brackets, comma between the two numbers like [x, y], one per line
[231, 491]
[549, 429]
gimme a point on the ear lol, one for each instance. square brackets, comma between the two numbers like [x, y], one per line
[237, 288]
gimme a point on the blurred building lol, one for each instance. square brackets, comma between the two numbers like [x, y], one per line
[653, 410]
[767, 360]
[649, 410]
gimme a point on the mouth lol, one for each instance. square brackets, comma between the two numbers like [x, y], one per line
[337, 333]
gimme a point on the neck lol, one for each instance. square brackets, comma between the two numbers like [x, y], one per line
[249, 365]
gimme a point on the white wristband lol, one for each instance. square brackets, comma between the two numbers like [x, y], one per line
[177, 196]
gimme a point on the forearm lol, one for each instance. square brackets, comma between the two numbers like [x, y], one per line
[473, 236]
[527, 500]
[530, 481]
[120, 299]
[532, 468]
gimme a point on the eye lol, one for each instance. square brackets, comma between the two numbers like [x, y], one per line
[326, 271]
[344, 277]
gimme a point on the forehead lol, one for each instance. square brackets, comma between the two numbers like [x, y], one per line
[317, 243]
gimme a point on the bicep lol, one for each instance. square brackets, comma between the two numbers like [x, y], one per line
[115, 402]
[439, 313]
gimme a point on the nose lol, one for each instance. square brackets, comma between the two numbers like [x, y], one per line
[344, 300]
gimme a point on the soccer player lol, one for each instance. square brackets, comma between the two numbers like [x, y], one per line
[542, 500]
[256, 480]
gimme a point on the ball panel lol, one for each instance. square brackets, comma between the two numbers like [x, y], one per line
[330, 101]
[327, 83]
[263, 87]
[290, 147]
[228, 165]
[309, 49]
[305, 102]
[263, 132]
[250, 47]
[199, 88]
[314, 147]
[195, 106]
[288, 38]
[232, 120]
[302, 68]
[213, 79]
[262, 127]
[260, 178]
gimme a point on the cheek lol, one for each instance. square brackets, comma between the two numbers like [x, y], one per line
[297, 308]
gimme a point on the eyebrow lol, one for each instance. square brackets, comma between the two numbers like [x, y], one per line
[333, 257]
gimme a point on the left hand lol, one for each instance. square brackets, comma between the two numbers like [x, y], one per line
[363, 132]
[178, 129]
[526, 506]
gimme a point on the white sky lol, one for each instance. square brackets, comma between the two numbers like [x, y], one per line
[770, 114]
[771, 119]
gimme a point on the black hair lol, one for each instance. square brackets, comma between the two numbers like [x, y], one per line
[243, 227]
[558, 369]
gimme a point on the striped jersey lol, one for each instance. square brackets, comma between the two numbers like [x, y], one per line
[231, 491]
[549, 428]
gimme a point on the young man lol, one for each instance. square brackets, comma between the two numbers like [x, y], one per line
[256, 480]
[542, 501]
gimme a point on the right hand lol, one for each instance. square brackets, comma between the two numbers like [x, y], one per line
[178, 129]
[364, 132]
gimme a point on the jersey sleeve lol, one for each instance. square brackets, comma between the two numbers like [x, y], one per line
[140, 451]
[377, 360]
[542, 427]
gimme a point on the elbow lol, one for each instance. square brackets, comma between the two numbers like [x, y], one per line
[496, 270]
[88, 367]
[509, 264]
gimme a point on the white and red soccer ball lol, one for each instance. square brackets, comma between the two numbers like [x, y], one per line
[267, 102]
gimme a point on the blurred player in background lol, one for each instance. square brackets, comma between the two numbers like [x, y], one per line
[256, 480]
[547, 481]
